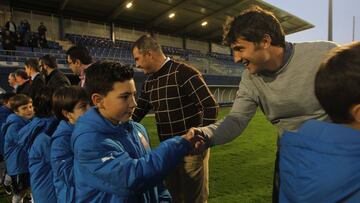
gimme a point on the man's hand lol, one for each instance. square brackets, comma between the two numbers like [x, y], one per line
[198, 140]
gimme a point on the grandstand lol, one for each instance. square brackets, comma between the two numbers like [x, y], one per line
[109, 32]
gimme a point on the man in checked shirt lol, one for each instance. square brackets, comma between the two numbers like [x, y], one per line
[180, 98]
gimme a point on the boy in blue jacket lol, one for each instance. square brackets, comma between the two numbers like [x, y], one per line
[22, 107]
[5, 111]
[35, 139]
[321, 162]
[112, 158]
[69, 103]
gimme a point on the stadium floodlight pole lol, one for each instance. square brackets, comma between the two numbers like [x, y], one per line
[353, 33]
[330, 21]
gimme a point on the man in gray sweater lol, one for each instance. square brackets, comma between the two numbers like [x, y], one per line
[279, 78]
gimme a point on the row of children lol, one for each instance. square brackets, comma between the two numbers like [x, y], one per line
[105, 157]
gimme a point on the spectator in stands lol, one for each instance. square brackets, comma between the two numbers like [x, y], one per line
[69, 103]
[328, 152]
[79, 59]
[24, 31]
[37, 80]
[12, 81]
[19, 41]
[180, 101]
[10, 26]
[8, 42]
[33, 41]
[54, 77]
[113, 161]
[279, 78]
[42, 30]
[43, 42]
[23, 83]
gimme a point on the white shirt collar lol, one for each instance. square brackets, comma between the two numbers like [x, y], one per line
[34, 75]
[166, 60]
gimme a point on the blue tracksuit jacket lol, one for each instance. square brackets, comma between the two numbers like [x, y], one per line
[41, 176]
[62, 162]
[4, 113]
[11, 131]
[320, 163]
[113, 163]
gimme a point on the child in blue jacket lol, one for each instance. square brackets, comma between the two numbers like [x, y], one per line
[35, 139]
[22, 107]
[5, 111]
[321, 162]
[112, 158]
[69, 103]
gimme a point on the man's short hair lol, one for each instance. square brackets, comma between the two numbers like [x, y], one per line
[33, 63]
[13, 75]
[101, 76]
[21, 73]
[66, 99]
[49, 60]
[146, 43]
[79, 53]
[4, 97]
[19, 100]
[337, 82]
[251, 25]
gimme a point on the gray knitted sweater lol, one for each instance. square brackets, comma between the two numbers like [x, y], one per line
[286, 97]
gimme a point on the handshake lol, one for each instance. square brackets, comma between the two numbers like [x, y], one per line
[198, 140]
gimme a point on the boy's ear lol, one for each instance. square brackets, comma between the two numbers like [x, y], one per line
[97, 100]
[66, 114]
[355, 112]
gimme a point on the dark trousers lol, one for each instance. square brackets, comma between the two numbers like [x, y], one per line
[276, 181]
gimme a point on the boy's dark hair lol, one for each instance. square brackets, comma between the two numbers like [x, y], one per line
[42, 102]
[80, 53]
[101, 76]
[4, 97]
[33, 63]
[251, 25]
[49, 61]
[146, 43]
[21, 73]
[66, 99]
[337, 82]
[19, 100]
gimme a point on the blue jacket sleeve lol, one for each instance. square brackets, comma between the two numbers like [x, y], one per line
[62, 160]
[11, 138]
[111, 169]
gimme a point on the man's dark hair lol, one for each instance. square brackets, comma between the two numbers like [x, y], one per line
[101, 76]
[42, 102]
[33, 63]
[13, 75]
[66, 99]
[80, 53]
[21, 73]
[337, 82]
[49, 61]
[252, 25]
[19, 100]
[146, 43]
[4, 97]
